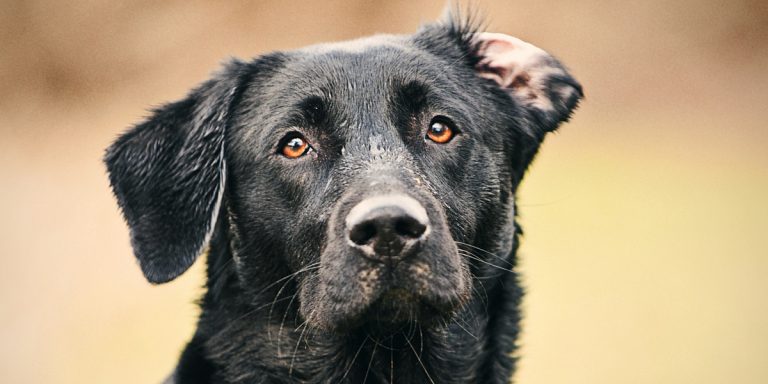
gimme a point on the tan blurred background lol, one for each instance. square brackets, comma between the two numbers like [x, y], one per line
[645, 254]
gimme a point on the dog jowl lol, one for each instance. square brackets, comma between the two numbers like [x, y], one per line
[357, 204]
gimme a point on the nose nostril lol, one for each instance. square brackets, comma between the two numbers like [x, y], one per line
[362, 233]
[409, 227]
[386, 226]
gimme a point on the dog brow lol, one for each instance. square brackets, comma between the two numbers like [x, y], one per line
[412, 95]
[313, 108]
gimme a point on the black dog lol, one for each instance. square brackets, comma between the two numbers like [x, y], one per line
[356, 201]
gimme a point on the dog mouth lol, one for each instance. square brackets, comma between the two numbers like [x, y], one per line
[393, 310]
[383, 301]
[399, 307]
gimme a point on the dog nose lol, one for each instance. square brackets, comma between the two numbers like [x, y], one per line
[387, 225]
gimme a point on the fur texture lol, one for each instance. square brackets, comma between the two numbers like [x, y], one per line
[290, 299]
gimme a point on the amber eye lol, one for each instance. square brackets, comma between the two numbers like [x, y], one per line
[440, 131]
[294, 148]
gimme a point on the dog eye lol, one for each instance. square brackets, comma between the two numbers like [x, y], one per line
[294, 147]
[441, 130]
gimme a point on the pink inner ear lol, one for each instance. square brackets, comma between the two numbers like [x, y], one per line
[506, 59]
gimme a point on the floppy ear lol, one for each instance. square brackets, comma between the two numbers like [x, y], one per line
[168, 175]
[535, 79]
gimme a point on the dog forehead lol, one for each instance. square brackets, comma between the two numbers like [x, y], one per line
[370, 61]
[356, 83]
[360, 45]
[353, 79]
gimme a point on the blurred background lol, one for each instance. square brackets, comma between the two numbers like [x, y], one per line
[645, 256]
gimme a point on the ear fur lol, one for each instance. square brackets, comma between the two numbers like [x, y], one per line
[534, 78]
[168, 174]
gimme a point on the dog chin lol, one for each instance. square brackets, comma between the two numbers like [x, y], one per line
[394, 311]
[399, 308]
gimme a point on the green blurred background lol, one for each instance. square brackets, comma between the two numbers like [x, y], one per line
[645, 255]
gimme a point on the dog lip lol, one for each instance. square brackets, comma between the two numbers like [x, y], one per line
[398, 295]
[398, 305]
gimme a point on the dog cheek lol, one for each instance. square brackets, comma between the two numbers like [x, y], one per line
[310, 292]
[448, 280]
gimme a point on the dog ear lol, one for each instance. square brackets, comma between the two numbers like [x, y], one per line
[168, 175]
[546, 93]
[534, 78]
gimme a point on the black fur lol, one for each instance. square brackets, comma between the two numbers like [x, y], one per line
[288, 300]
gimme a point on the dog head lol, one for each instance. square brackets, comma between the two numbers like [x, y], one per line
[367, 173]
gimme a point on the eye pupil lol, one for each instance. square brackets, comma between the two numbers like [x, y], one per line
[295, 143]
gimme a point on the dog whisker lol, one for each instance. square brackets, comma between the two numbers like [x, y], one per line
[282, 323]
[296, 348]
[307, 268]
[370, 361]
[352, 363]
[391, 361]
[219, 273]
[459, 243]
[421, 341]
[418, 358]
[251, 312]
[473, 257]
[287, 279]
